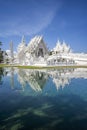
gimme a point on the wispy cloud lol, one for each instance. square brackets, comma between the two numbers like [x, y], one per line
[29, 20]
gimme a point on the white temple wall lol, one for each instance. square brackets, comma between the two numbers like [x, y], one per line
[78, 62]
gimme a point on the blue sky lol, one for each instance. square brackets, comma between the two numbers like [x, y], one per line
[54, 19]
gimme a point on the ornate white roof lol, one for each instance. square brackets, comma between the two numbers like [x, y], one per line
[34, 43]
[58, 46]
[65, 47]
[61, 47]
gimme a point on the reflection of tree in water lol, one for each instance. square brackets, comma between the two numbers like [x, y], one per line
[1, 74]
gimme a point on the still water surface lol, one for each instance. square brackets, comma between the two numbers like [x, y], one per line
[43, 99]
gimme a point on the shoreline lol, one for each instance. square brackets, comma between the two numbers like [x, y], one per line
[44, 67]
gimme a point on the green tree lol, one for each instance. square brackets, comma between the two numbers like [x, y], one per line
[1, 53]
[0, 43]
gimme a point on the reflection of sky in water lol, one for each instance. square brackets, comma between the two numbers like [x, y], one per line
[43, 99]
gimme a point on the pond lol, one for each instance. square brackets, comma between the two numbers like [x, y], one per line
[52, 99]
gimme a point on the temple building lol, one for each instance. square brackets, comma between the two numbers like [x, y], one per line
[21, 51]
[36, 53]
[61, 48]
[36, 48]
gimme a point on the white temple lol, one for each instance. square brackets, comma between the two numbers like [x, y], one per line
[61, 48]
[35, 53]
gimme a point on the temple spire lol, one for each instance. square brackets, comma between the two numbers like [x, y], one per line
[23, 40]
[11, 51]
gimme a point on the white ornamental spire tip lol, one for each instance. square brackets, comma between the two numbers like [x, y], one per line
[64, 41]
[23, 39]
[58, 43]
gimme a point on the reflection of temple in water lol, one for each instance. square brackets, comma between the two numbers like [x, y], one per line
[59, 77]
[60, 82]
[37, 79]
[12, 77]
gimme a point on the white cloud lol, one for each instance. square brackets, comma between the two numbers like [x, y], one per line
[31, 21]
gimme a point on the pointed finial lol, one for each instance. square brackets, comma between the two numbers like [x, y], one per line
[64, 43]
[11, 44]
[58, 42]
[23, 39]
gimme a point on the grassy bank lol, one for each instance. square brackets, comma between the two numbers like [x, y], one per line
[42, 67]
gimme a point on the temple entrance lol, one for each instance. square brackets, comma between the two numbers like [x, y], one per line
[40, 52]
